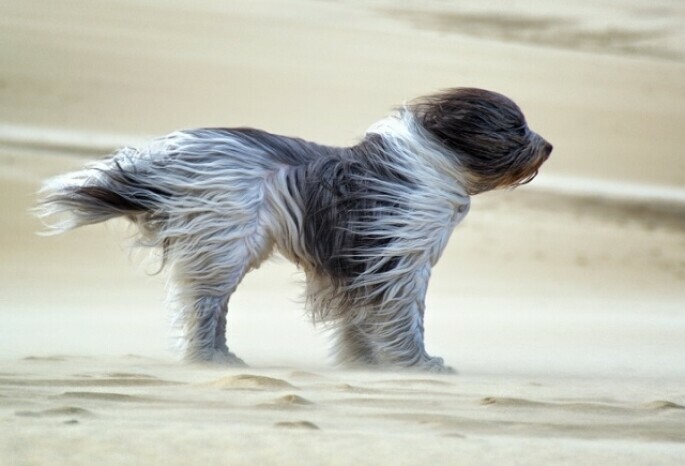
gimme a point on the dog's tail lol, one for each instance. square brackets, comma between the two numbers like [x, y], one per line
[115, 187]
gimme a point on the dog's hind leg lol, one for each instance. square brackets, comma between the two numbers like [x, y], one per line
[205, 276]
[203, 313]
[204, 332]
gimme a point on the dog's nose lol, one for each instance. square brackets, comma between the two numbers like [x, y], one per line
[547, 148]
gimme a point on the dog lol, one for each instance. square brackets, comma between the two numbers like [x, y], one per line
[365, 223]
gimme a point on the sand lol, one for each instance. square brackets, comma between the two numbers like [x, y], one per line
[157, 412]
[560, 304]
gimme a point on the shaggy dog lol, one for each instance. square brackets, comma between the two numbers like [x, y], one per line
[366, 223]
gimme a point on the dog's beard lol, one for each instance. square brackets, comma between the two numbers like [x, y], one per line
[538, 151]
[514, 169]
[531, 169]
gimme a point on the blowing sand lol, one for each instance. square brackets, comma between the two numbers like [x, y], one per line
[560, 304]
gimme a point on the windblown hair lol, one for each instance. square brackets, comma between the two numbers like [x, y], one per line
[366, 223]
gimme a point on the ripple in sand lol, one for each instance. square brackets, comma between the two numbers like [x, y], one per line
[304, 375]
[87, 382]
[104, 396]
[390, 402]
[250, 382]
[415, 382]
[596, 408]
[296, 425]
[511, 402]
[45, 358]
[346, 387]
[130, 375]
[287, 401]
[662, 405]
[54, 412]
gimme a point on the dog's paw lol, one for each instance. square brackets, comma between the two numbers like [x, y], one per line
[219, 357]
[227, 358]
[437, 365]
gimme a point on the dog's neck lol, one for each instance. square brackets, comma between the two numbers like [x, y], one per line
[421, 154]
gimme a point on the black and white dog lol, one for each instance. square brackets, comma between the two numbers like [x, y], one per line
[366, 223]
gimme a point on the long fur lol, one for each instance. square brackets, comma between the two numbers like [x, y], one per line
[366, 223]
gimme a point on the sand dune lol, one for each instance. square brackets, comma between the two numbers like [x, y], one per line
[560, 304]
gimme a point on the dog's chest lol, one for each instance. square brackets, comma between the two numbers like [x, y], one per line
[442, 233]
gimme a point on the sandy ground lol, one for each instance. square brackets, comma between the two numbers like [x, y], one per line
[561, 304]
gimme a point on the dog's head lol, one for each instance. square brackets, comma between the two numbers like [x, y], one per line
[488, 134]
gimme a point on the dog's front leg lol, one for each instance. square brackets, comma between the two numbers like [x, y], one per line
[396, 326]
[400, 341]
